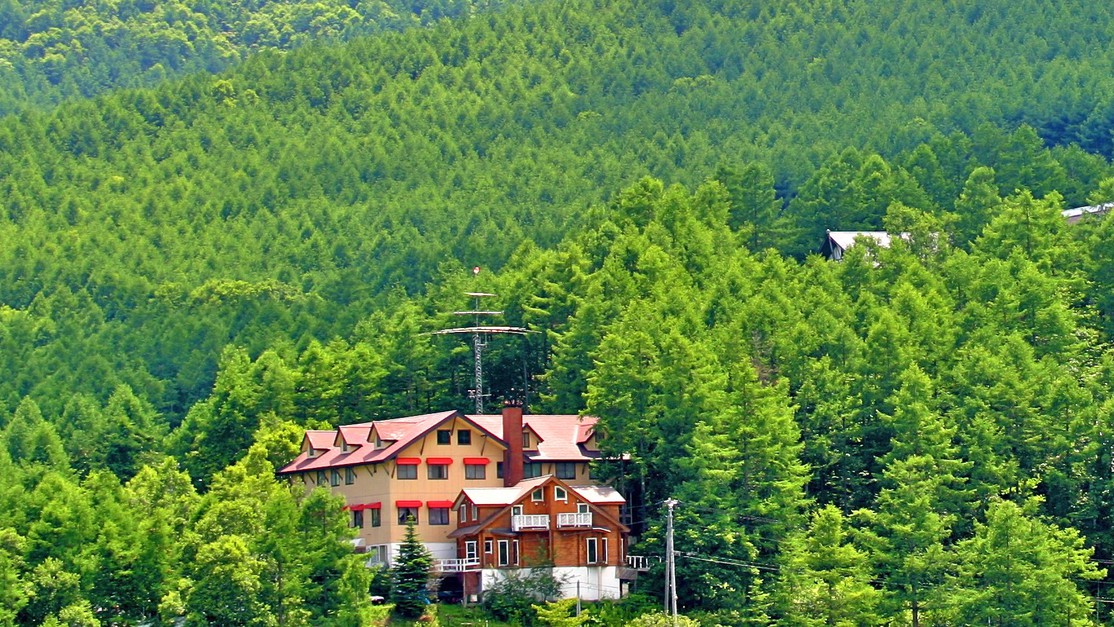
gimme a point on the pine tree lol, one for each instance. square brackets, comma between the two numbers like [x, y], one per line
[411, 574]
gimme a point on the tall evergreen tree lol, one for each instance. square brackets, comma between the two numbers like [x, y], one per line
[1018, 570]
[410, 575]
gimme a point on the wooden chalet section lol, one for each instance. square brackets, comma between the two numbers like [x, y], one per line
[388, 470]
[542, 522]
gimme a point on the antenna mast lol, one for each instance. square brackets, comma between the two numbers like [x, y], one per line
[479, 333]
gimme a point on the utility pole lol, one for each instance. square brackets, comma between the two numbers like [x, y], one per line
[670, 564]
[480, 333]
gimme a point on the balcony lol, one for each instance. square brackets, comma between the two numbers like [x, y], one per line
[641, 562]
[456, 565]
[576, 519]
[529, 521]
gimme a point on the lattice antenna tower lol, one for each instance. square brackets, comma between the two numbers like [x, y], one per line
[480, 333]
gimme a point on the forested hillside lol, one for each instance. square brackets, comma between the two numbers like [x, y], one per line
[209, 265]
[54, 50]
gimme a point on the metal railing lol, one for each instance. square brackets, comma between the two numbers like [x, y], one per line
[530, 521]
[575, 519]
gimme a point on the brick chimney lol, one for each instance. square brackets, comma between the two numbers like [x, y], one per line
[512, 435]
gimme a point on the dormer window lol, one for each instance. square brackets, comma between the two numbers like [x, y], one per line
[525, 439]
[313, 452]
[378, 442]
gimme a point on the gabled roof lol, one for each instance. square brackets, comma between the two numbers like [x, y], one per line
[560, 439]
[502, 495]
[352, 435]
[505, 498]
[496, 496]
[559, 435]
[400, 432]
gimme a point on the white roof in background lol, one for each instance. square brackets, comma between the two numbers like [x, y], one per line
[846, 239]
[1079, 212]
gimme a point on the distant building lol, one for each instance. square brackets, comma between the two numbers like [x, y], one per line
[836, 243]
[1093, 211]
[421, 466]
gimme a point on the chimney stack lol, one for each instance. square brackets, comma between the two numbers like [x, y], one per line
[512, 435]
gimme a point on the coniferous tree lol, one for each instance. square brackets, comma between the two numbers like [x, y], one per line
[410, 575]
[1018, 570]
[825, 578]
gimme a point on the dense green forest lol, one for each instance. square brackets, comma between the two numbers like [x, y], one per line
[55, 50]
[196, 270]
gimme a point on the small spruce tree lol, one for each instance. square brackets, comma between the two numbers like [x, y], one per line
[411, 575]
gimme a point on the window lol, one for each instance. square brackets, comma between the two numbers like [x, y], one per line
[537, 495]
[437, 471]
[438, 515]
[560, 494]
[462, 513]
[531, 470]
[475, 471]
[358, 518]
[349, 476]
[405, 513]
[504, 552]
[321, 477]
[565, 470]
[592, 556]
[335, 481]
[470, 550]
[525, 439]
[378, 554]
[581, 508]
[407, 472]
[514, 551]
[378, 441]
[475, 512]
[603, 550]
[376, 517]
[498, 470]
[489, 546]
[444, 436]
[464, 436]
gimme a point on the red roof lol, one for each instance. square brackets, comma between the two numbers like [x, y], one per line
[561, 437]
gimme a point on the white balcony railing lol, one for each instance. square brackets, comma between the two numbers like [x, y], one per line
[574, 519]
[641, 562]
[529, 521]
[456, 565]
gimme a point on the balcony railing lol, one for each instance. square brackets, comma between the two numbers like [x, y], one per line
[529, 521]
[575, 519]
[456, 565]
[641, 562]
